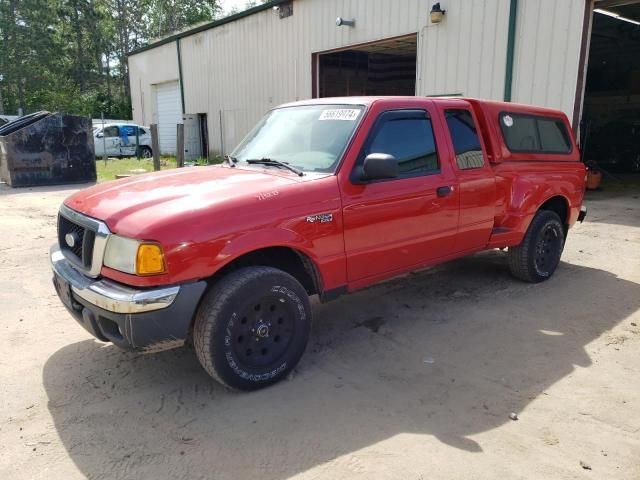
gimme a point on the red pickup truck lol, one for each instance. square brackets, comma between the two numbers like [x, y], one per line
[322, 197]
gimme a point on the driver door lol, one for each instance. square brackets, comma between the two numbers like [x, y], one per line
[396, 224]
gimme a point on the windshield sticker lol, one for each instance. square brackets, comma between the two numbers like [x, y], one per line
[508, 120]
[349, 114]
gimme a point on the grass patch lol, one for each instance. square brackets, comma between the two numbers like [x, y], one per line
[128, 166]
[123, 166]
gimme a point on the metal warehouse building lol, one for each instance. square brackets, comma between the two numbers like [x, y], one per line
[220, 78]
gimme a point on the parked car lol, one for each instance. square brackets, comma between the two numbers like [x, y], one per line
[323, 197]
[119, 140]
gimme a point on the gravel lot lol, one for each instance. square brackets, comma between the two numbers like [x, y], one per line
[413, 379]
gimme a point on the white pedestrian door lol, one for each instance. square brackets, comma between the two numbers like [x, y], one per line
[169, 111]
[191, 137]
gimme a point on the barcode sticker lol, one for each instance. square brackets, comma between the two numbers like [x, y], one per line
[349, 114]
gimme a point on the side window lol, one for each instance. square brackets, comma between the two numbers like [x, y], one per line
[111, 132]
[534, 134]
[129, 131]
[141, 131]
[553, 136]
[464, 136]
[409, 138]
[520, 133]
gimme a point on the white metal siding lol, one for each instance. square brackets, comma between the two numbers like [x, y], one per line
[549, 34]
[239, 70]
[169, 110]
[146, 70]
[466, 53]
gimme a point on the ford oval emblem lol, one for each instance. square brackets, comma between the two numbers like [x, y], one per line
[70, 238]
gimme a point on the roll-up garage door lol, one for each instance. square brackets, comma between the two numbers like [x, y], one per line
[169, 115]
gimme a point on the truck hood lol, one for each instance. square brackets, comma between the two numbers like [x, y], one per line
[156, 197]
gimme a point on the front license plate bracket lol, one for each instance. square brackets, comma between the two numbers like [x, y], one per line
[64, 290]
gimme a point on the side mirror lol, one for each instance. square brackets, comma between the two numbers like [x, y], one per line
[99, 135]
[378, 166]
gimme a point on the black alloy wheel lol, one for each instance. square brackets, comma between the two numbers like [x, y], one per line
[252, 327]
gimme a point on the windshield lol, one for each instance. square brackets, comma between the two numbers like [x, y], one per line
[311, 138]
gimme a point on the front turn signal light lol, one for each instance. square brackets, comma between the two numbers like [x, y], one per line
[150, 259]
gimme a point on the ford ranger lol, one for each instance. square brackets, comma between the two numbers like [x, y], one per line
[322, 197]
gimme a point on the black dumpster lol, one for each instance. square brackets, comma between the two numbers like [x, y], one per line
[47, 149]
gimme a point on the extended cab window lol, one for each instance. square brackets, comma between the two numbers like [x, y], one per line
[534, 134]
[408, 136]
[466, 142]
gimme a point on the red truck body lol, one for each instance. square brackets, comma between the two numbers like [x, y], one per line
[207, 218]
[346, 235]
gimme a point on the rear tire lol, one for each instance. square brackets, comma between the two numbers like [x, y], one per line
[538, 256]
[145, 152]
[252, 327]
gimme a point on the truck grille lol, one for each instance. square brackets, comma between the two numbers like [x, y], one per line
[82, 240]
[81, 250]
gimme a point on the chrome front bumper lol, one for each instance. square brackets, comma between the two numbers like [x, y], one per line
[108, 295]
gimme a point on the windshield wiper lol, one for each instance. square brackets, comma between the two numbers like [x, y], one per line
[275, 163]
[231, 161]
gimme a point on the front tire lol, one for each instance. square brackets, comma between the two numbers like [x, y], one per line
[538, 256]
[252, 327]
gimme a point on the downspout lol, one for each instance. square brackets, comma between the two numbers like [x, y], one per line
[180, 75]
[511, 42]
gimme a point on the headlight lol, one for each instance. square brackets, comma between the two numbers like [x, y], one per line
[133, 256]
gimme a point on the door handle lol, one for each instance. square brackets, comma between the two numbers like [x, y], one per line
[444, 191]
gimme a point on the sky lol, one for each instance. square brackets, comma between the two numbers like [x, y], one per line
[229, 4]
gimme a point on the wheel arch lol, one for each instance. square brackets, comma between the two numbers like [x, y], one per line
[289, 259]
[560, 205]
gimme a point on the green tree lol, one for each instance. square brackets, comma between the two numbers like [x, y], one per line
[167, 16]
[28, 53]
[71, 55]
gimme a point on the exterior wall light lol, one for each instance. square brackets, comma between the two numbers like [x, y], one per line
[349, 23]
[283, 10]
[437, 13]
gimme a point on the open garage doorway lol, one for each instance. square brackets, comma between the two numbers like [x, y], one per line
[386, 67]
[611, 112]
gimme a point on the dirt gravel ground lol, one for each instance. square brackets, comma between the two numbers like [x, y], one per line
[413, 379]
